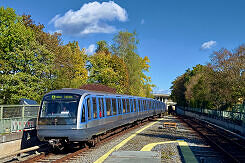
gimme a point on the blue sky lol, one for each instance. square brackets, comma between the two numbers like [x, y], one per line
[174, 34]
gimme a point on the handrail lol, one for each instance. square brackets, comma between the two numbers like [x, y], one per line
[236, 117]
[18, 105]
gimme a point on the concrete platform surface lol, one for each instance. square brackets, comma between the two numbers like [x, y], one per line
[9, 147]
[134, 157]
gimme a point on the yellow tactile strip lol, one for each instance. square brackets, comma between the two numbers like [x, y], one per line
[102, 158]
[185, 150]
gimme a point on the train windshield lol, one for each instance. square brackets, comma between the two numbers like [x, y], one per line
[61, 106]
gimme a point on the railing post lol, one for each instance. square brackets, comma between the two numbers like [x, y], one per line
[232, 117]
[23, 111]
[1, 112]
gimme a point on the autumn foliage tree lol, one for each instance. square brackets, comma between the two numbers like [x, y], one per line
[108, 69]
[218, 85]
[70, 66]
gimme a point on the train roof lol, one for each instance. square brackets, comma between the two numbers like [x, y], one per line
[83, 91]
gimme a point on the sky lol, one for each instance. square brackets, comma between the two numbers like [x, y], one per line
[174, 34]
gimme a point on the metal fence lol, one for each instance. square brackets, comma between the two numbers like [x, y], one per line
[234, 116]
[14, 118]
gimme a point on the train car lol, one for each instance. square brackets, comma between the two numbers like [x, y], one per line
[75, 115]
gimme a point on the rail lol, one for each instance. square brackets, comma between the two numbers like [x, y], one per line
[226, 142]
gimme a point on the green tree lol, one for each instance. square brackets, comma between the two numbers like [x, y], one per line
[178, 90]
[197, 88]
[24, 64]
[125, 46]
[51, 42]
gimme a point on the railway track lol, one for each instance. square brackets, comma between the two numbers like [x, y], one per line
[228, 144]
[85, 147]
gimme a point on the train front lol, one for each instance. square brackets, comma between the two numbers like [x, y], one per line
[57, 119]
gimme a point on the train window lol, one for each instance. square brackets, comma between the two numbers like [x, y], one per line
[124, 106]
[101, 107]
[119, 102]
[89, 108]
[108, 106]
[128, 107]
[143, 105]
[135, 106]
[114, 106]
[131, 105]
[83, 114]
[94, 107]
[146, 107]
[140, 107]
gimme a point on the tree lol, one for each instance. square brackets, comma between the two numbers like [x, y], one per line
[228, 68]
[51, 42]
[102, 47]
[219, 85]
[197, 88]
[24, 64]
[70, 65]
[178, 90]
[125, 46]
[69, 61]
[108, 69]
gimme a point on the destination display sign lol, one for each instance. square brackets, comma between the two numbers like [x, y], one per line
[62, 97]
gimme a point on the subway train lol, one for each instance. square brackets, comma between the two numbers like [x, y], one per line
[76, 115]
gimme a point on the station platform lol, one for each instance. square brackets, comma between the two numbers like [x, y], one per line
[165, 139]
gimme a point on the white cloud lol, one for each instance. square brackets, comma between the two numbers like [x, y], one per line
[54, 19]
[90, 18]
[142, 21]
[208, 45]
[91, 49]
